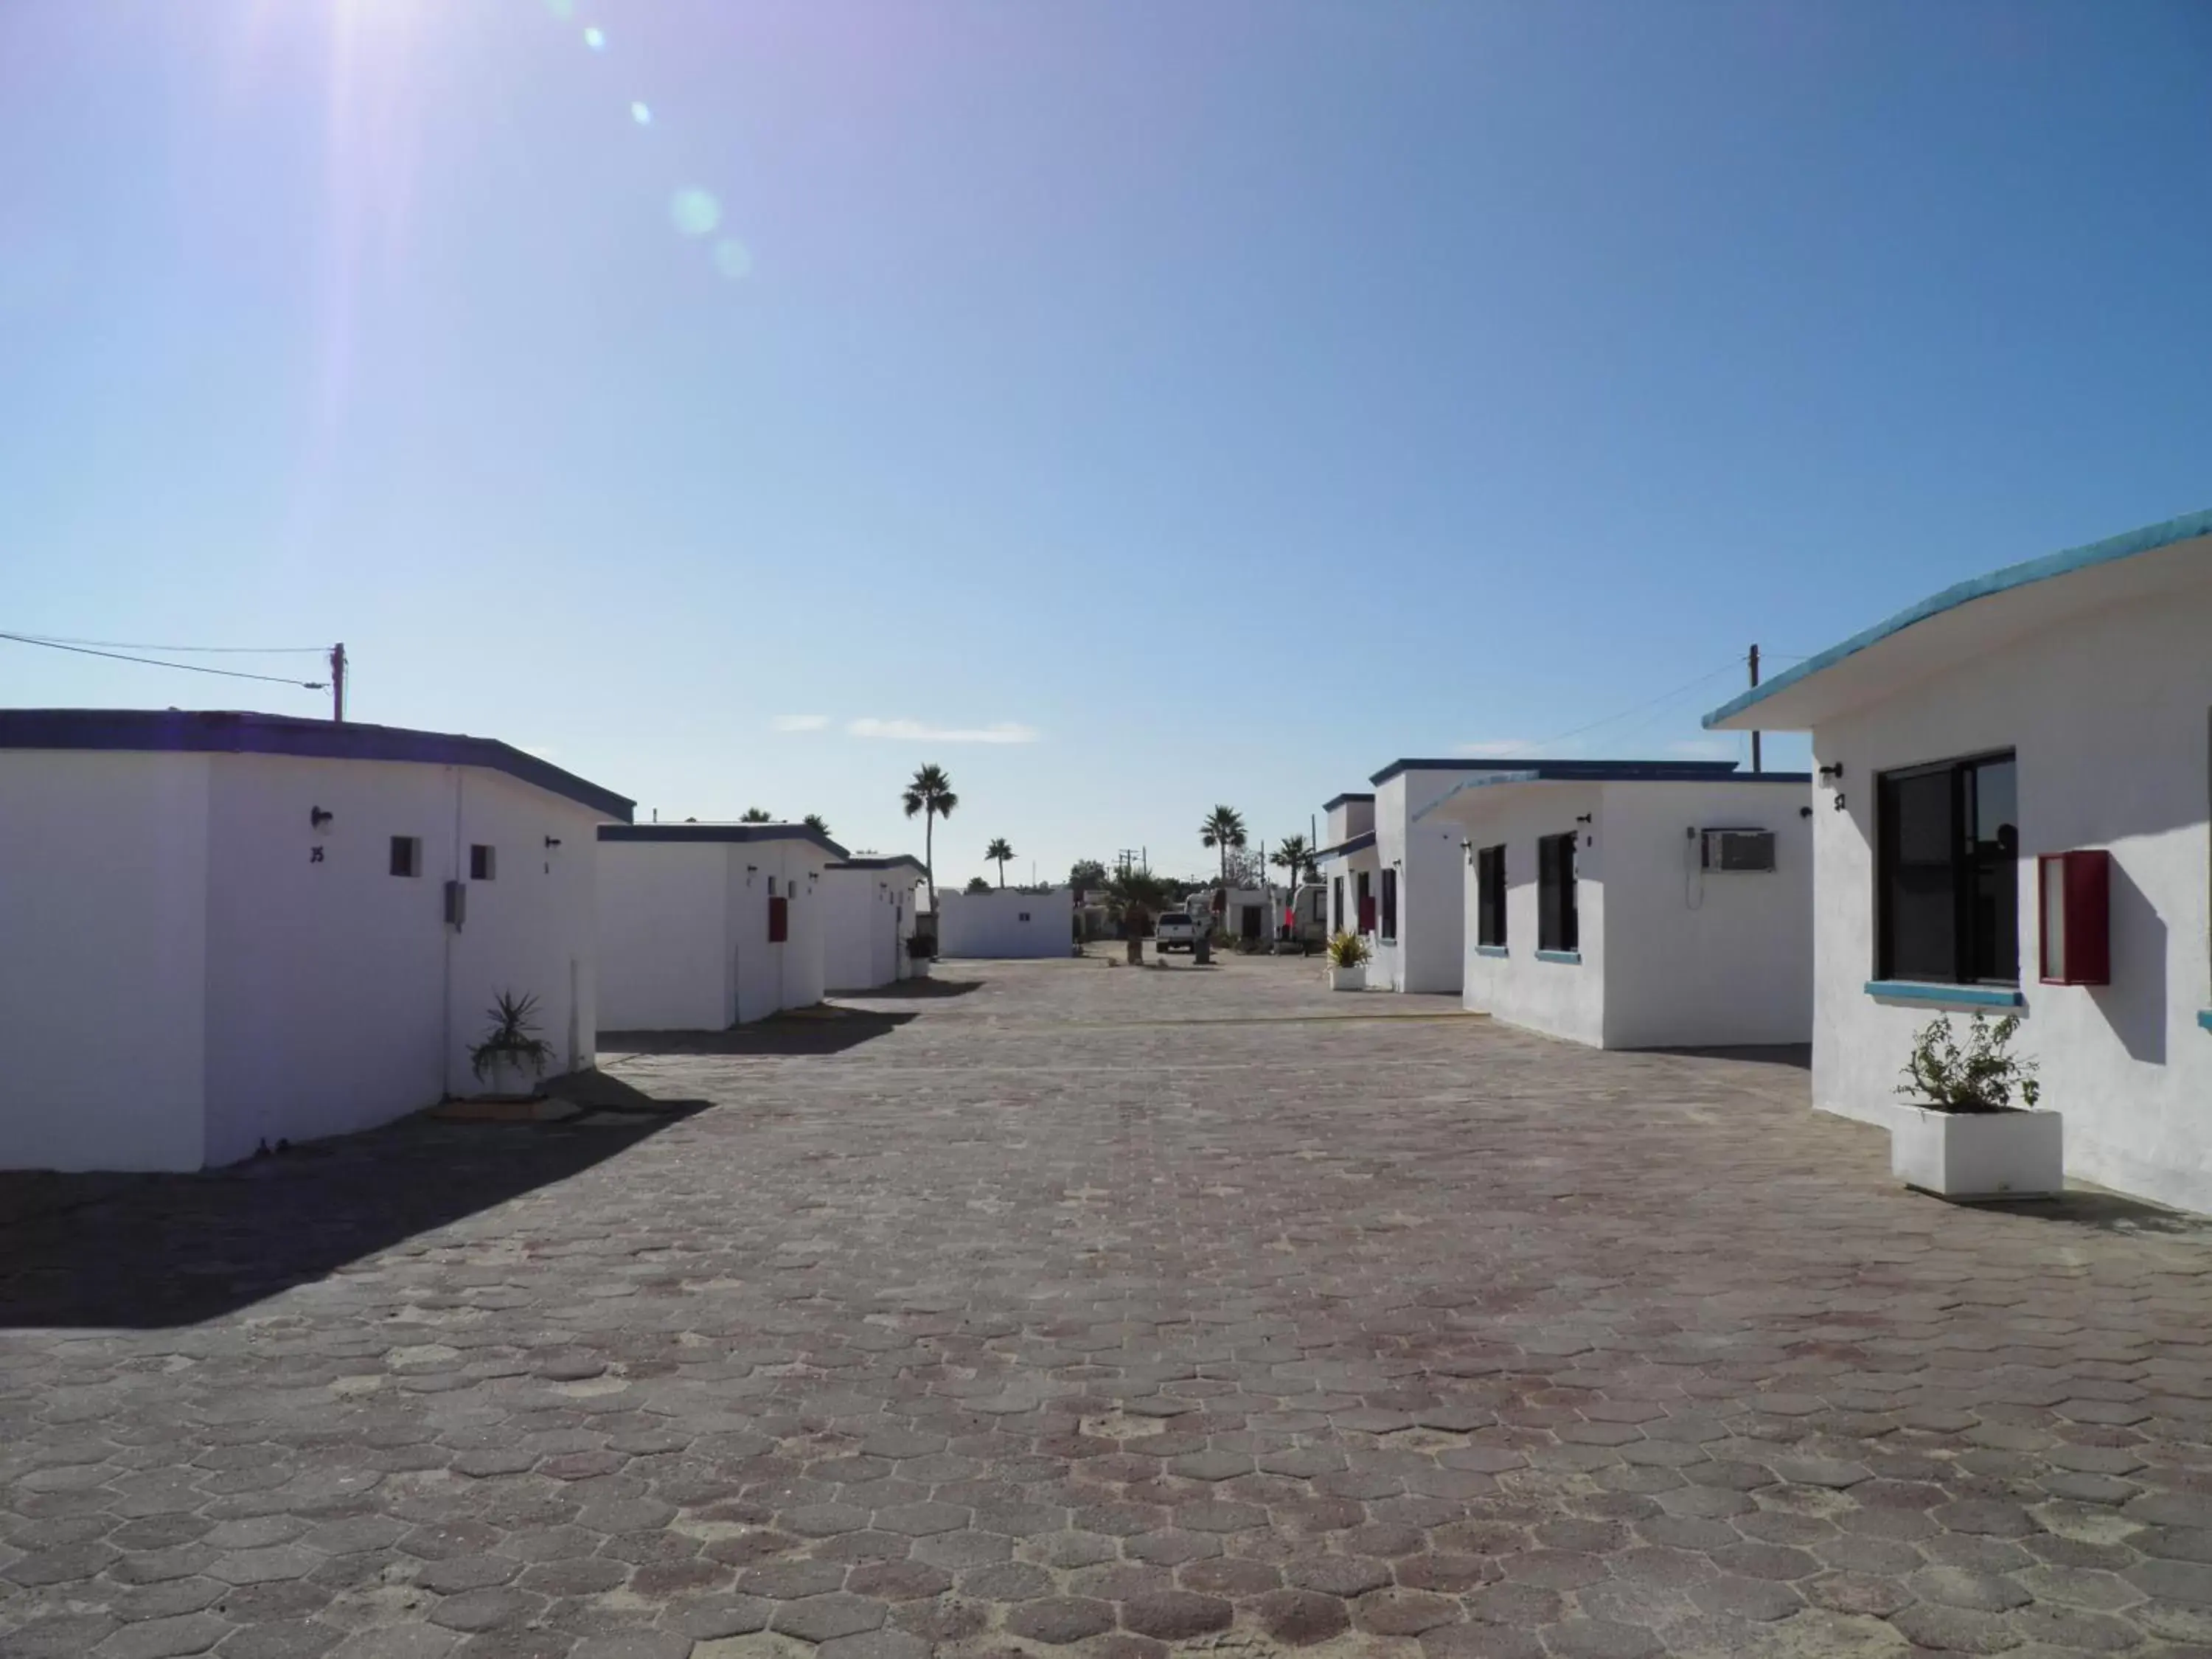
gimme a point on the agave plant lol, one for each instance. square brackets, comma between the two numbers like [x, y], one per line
[512, 1037]
[1347, 950]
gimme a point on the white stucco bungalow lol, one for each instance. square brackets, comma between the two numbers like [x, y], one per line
[706, 925]
[868, 911]
[219, 932]
[1347, 864]
[2012, 796]
[1006, 922]
[1632, 904]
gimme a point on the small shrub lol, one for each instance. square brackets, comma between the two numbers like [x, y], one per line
[513, 1036]
[1347, 950]
[1983, 1077]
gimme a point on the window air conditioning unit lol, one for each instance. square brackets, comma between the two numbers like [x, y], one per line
[1733, 851]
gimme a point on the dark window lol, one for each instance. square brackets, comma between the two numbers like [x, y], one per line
[1336, 905]
[779, 920]
[406, 856]
[1490, 896]
[482, 861]
[1364, 880]
[1389, 904]
[1947, 885]
[1557, 928]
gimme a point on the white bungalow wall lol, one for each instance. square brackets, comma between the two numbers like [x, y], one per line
[990, 925]
[1563, 1000]
[1426, 956]
[2108, 717]
[867, 917]
[103, 975]
[666, 958]
[771, 977]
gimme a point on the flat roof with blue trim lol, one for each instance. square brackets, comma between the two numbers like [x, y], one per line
[1335, 801]
[2172, 533]
[721, 832]
[1617, 772]
[1346, 849]
[1516, 764]
[223, 731]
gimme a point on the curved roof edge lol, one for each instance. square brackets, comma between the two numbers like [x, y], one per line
[1614, 772]
[719, 832]
[225, 732]
[2127, 545]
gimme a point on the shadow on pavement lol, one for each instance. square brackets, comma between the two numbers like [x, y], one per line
[2108, 1213]
[827, 1030]
[149, 1251]
[1798, 1056]
[914, 990]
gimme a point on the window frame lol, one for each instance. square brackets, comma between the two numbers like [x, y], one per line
[483, 862]
[1386, 924]
[1489, 920]
[408, 866]
[1966, 862]
[1558, 912]
[1336, 904]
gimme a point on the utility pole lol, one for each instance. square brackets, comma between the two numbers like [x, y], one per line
[1754, 686]
[338, 682]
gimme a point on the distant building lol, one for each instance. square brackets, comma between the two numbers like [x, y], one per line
[1006, 923]
[706, 925]
[219, 932]
[1347, 864]
[1630, 904]
[868, 917]
[2010, 816]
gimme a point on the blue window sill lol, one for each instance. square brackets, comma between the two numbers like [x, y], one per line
[2205, 1019]
[1945, 996]
[1490, 951]
[1572, 958]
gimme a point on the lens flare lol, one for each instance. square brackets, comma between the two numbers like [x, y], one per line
[596, 40]
[640, 114]
[695, 212]
[733, 258]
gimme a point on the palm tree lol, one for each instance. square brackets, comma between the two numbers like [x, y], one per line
[1134, 897]
[929, 796]
[1224, 828]
[999, 852]
[757, 814]
[1295, 856]
[815, 822]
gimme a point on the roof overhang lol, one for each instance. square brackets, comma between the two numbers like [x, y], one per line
[1478, 795]
[695, 834]
[1973, 618]
[1335, 801]
[210, 731]
[903, 861]
[1344, 849]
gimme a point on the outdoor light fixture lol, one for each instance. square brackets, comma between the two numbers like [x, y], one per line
[1834, 771]
[1583, 818]
[320, 815]
[552, 841]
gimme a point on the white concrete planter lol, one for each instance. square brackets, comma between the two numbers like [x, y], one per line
[509, 1079]
[917, 967]
[1348, 979]
[1979, 1155]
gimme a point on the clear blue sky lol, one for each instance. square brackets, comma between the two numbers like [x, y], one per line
[1226, 398]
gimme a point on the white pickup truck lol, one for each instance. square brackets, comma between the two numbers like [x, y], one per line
[1175, 930]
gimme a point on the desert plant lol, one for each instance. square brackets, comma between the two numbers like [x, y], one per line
[1983, 1077]
[513, 1036]
[1133, 897]
[999, 852]
[755, 815]
[977, 884]
[928, 794]
[1347, 950]
[1223, 827]
[818, 825]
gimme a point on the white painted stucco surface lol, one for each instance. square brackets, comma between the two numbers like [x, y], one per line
[1426, 954]
[990, 925]
[684, 938]
[867, 918]
[2107, 713]
[266, 994]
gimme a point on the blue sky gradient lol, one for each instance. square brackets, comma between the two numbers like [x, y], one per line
[1225, 399]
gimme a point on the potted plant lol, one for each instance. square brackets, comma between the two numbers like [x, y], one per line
[920, 947]
[1960, 1135]
[512, 1057]
[1348, 961]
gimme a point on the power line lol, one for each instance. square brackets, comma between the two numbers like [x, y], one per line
[188, 667]
[1729, 667]
[208, 650]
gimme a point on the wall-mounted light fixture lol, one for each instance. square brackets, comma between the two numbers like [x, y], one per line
[1833, 771]
[320, 815]
[1586, 817]
[552, 841]
[1804, 812]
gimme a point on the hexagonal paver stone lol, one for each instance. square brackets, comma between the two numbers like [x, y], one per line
[920, 1519]
[825, 1520]
[791, 1580]
[1171, 1547]
[1301, 1617]
[635, 1644]
[1060, 1619]
[711, 1618]
[876, 1644]
[283, 1639]
[166, 1639]
[1303, 1462]
[1600, 1638]
[1344, 1576]
[1211, 1466]
[2173, 1581]
[1956, 1629]
[1831, 1472]
[398, 1642]
[1992, 1516]
[1865, 1594]
[1220, 1517]
[824, 1618]
[263, 1566]
[1175, 1615]
[1959, 1587]
[1554, 1570]
[1403, 1612]
[898, 1581]
[1004, 1581]
[1777, 1561]
[1760, 1598]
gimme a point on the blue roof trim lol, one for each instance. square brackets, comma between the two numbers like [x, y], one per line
[1335, 801]
[1346, 849]
[1563, 767]
[874, 863]
[208, 732]
[719, 832]
[2148, 539]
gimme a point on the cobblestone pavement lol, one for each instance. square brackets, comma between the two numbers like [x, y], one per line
[1107, 1312]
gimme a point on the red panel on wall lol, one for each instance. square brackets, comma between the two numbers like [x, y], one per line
[2075, 905]
[1367, 914]
[779, 920]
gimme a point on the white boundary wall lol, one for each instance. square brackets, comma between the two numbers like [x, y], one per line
[1005, 924]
